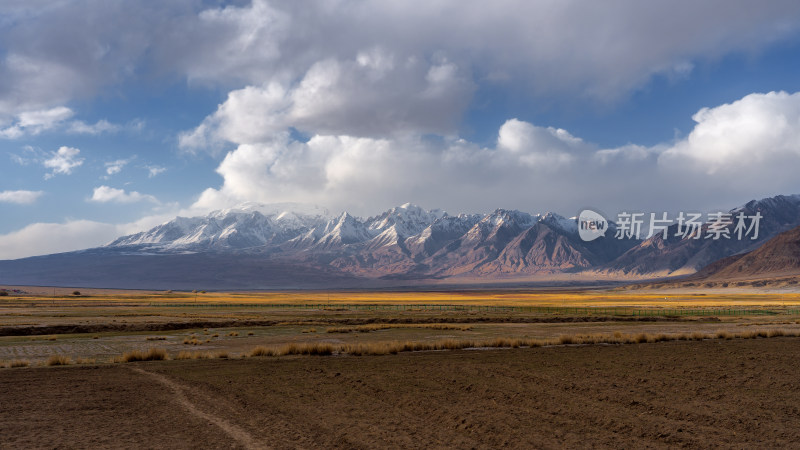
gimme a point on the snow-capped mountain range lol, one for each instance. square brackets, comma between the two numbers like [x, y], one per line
[403, 240]
[252, 225]
[409, 241]
[256, 246]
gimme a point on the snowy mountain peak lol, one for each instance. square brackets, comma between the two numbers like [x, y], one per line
[243, 226]
[554, 220]
[511, 217]
[346, 220]
[276, 209]
[407, 220]
[344, 230]
[769, 203]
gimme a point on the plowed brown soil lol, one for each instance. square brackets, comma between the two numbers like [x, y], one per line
[729, 394]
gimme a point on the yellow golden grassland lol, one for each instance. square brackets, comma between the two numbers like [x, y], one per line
[510, 298]
[589, 298]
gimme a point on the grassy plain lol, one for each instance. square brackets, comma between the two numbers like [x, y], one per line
[485, 297]
[103, 325]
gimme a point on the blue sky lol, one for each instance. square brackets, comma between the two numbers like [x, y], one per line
[116, 116]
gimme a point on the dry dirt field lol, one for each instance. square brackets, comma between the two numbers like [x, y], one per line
[719, 370]
[716, 393]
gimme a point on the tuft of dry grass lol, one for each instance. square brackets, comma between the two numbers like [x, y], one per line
[250, 333]
[316, 349]
[748, 335]
[311, 348]
[377, 348]
[565, 340]
[192, 341]
[233, 334]
[156, 338]
[385, 326]
[262, 351]
[722, 334]
[663, 338]
[184, 355]
[215, 335]
[19, 363]
[58, 360]
[202, 355]
[154, 354]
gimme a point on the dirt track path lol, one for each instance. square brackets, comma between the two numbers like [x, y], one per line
[238, 434]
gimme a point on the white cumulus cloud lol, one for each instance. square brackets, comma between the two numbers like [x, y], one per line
[757, 130]
[154, 171]
[358, 172]
[369, 96]
[35, 122]
[537, 146]
[46, 238]
[32, 123]
[115, 167]
[63, 161]
[106, 194]
[749, 148]
[20, 197]
[99, 127]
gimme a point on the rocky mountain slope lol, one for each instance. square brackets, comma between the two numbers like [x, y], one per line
[778, 257]
[773, 265]
[677, 255]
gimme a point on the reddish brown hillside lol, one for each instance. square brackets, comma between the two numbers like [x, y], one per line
[780, 256]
